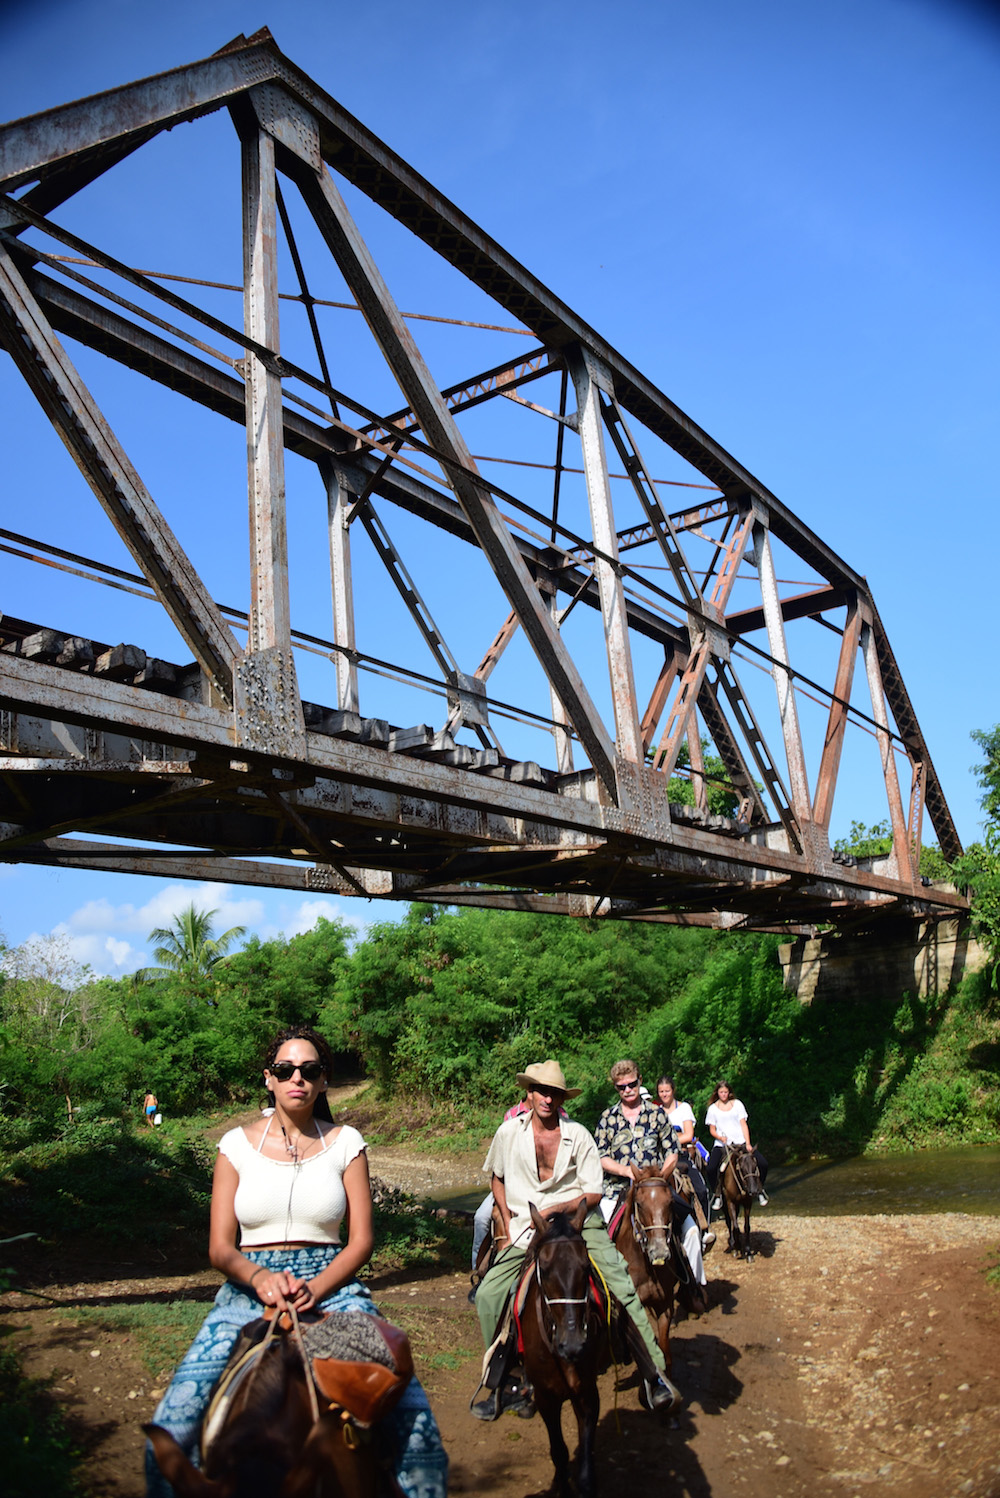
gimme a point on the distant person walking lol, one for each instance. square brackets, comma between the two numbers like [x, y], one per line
[150, 1108]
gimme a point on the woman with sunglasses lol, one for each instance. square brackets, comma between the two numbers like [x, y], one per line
[281, 1189]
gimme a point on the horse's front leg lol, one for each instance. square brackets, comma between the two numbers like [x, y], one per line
[732, 1223]
[550, 1408]
[746, 1232]
[587, 1408]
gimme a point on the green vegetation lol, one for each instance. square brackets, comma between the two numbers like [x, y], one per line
[876, 842]
[442, 1010]
[979, 867]
[161, 1332]
[37, 1454]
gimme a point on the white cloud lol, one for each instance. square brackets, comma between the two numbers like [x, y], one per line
[165, 905]
[104, 955]
[119, 951]
[310, 912]
[112, 939]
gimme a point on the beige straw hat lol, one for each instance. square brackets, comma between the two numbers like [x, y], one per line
[546, 1074]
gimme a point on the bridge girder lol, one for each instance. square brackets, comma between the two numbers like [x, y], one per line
[218, 768]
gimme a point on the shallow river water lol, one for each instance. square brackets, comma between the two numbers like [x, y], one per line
[956, 1180]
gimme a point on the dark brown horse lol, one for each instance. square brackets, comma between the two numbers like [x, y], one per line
[274, 1434]
[739, 1183]
[645, 1239]
[564, 1338]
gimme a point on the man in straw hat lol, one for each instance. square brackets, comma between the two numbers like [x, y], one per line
[550, 1161]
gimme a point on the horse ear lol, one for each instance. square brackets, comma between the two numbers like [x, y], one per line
[579, 1217]
[183, 1477]
[541, 1226]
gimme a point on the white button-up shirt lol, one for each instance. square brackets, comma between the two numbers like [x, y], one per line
[577, 1171]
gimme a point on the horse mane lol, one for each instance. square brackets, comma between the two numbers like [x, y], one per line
[560, 1226]
[251, 1450]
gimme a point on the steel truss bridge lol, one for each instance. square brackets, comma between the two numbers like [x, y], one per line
[654, 648]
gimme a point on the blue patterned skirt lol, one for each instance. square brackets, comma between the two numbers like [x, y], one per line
[421, 1463]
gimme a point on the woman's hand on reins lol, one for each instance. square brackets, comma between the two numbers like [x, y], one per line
[279, 1288]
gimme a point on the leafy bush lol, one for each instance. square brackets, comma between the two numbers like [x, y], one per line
[37, 1454]
[104, 1179]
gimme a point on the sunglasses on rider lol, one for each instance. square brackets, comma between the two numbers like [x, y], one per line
[309, 1071]
[627, 1086]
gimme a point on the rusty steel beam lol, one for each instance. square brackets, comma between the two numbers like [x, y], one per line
[826, 780]
[801, 606]
[900, 837]
[708, 642]
[475, 390]
[798, 775]
[369, 290]
[589, 378]
[270, 615]
[62, 394]
[912, 734]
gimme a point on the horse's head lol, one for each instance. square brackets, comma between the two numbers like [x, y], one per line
[269, 1445]
[745, 1174]
[562, 1276]
[652, 1206]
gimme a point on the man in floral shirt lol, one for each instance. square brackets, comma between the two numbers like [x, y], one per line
[635, 1132]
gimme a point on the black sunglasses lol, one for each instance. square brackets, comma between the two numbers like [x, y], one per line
[627, 1086]
[310, 1071]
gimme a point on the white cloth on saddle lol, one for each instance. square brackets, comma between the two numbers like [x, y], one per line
[577, 1170]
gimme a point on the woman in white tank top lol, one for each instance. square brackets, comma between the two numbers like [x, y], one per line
[281, 1189]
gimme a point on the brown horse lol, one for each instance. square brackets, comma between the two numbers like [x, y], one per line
[645, 1239]
[496, 1240]
[273, 1435]
[739, 1182]
[564, 1337]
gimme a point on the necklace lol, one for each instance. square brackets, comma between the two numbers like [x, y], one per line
[292, 1147]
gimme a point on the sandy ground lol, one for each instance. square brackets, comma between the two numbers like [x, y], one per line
[852, 1356]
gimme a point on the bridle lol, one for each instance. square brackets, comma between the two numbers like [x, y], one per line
[641, 1229]
[746, 1172]
[548, 1301]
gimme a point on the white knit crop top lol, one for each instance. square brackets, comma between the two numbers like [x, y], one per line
[278, 1201]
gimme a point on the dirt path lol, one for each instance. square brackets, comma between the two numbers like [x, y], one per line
[852, 1356]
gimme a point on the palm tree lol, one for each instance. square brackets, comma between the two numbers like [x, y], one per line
[188, 946]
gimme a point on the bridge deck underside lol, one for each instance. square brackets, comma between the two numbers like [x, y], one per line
[357, 815]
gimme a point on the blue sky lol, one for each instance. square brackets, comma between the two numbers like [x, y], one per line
[785, 215]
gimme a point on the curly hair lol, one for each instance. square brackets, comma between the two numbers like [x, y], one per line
[624, 1068]
[323, 1053]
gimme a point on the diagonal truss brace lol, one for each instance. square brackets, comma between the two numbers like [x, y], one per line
[768, 770]
[66, 400]
[420, 614]
[709, 643]
[589, 377]
[660, 523]
[345, 243]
